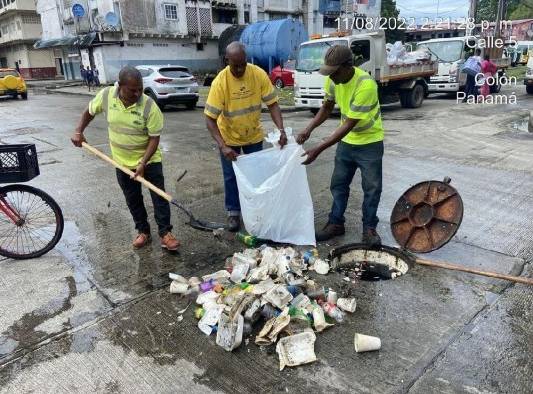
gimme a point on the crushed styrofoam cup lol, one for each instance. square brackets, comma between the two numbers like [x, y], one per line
[208, 295]
[239, 272]
[366, 343]
[321, 267]
[347, 304]
[278, 296]
[219, 275]
[177, 278]
[230, 332]
[178, 287]
[296, 350]
[319, 320]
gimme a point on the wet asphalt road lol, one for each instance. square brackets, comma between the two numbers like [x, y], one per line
[95, 316]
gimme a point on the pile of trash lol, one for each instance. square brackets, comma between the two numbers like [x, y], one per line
[267, 286]
[397, 55]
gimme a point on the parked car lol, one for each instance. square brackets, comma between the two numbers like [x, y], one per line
[283, 76]
[170, 85]
[528, 79]
[12, 84]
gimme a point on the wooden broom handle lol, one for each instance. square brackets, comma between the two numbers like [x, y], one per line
[149, 185]
[454, 267]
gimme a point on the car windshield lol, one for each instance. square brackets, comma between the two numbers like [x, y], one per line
[311, 56]
[445, 51]
[174, 72]
[8, 72]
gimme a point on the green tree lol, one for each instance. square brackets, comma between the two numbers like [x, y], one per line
[522, 9]
[486, 10]
[389, 10]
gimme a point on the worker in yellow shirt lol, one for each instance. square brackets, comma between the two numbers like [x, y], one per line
[359, 140]
[135, 124]
[233, 114]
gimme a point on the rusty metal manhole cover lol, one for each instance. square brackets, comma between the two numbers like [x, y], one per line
[427, 216]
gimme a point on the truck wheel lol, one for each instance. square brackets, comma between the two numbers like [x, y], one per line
[24, 95]
[314, 111]
[279, 83]
[529, 89]
[413, 98]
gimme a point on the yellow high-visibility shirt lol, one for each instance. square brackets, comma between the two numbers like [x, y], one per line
[358, 99]
[129, 128]
[236, 104]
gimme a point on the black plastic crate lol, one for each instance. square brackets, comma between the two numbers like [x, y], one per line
[18, 163]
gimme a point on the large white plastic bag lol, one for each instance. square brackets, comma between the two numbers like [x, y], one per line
[274, 194]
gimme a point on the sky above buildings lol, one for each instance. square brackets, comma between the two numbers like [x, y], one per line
[433, 8]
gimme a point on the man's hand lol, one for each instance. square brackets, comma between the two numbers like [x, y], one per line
[311, 154]
[77, 139]
[303, 136]
[282, 140]
[229, 153]
[139, 171]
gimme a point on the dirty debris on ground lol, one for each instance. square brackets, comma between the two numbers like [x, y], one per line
[266, 290]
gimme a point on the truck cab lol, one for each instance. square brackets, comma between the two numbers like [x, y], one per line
[451, 53]
[406, 83]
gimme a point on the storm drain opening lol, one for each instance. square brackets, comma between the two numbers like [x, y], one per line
[358, 262]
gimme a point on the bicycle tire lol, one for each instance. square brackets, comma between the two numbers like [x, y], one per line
[54, 207]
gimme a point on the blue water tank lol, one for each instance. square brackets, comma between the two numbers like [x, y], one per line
[271, 43]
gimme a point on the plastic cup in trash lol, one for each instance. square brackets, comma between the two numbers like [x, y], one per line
[332, 296]
[178, 287]
[347, 304]
[366, 343]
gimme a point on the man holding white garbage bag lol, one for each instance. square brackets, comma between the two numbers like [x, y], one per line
[359, 138]
[233, 113]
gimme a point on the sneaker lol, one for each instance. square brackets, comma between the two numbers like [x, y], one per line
[234, 223]
[371, 238]
[169, 242]
[141, 240]
[329, 231]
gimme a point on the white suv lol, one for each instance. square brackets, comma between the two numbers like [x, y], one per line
[170, 85]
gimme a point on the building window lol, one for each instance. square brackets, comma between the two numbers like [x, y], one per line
[171, 12]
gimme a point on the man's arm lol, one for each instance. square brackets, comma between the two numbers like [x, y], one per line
[153, 143]
[212, 126]
[78, 137]
[322, 115]
[337, 135]
[275, 113]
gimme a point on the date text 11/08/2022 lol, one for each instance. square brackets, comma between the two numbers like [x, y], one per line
[354, 22]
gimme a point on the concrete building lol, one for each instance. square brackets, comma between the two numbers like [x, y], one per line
[20, 27]
[109, 34]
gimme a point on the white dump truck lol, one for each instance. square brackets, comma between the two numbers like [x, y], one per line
[451, 53]
[407, 83]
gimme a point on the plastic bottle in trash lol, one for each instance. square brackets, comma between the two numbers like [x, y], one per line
[333, 311]
[310, 254]
[247, 239]
[317, 294]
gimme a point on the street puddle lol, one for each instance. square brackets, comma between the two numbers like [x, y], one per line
[520, 126]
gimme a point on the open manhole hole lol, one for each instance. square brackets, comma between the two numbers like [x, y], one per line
[424, 218]
[357, 262]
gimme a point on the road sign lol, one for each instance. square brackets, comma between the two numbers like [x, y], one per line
[78, 11]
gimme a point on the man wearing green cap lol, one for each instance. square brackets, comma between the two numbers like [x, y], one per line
[359, 138]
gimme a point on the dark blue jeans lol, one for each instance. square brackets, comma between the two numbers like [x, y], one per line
[368, 158]
[134, 198]
[231, 192]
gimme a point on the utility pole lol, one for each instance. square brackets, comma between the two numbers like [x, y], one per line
[473, 9]
[500, 15]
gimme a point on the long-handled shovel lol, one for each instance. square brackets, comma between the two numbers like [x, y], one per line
[193, 222]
